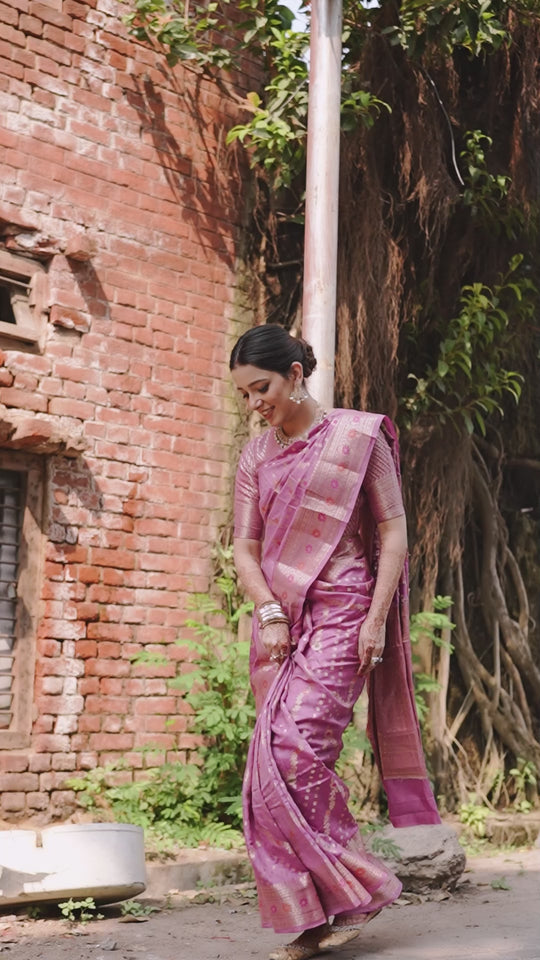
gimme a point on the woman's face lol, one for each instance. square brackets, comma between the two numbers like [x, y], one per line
[268, 392]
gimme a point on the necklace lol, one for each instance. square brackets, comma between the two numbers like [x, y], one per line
[285, 441]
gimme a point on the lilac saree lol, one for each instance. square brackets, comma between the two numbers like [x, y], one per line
[309, 506]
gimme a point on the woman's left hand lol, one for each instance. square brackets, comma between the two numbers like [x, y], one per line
[371, 641]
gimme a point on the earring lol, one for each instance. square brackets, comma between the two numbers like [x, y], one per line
[299, 393]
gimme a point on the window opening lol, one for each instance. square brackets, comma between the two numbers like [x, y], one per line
[14, 295]
[22, 298]
[11, 519]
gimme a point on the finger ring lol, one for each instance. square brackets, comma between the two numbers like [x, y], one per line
[376, 659]
[274, 656]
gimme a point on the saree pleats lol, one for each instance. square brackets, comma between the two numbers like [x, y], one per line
[308, 858]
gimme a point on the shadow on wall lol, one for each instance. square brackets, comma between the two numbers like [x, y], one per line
[91, 290]
[208, 200]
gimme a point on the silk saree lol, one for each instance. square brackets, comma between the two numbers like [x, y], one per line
[317, 526]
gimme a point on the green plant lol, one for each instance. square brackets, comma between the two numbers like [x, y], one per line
[134, 908]
[191, 803]
[474, 816]
[500, 883]
[91, 785]
[34, 912]
[80, 911]
[423, 24]
[524, 775]
[429, 624]
[381, 846]
[275, 130]
[469, 380]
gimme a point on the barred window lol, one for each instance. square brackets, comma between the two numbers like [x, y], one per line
[21, 522]
[11, 517]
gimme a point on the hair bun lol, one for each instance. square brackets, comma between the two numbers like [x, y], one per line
[309, 361]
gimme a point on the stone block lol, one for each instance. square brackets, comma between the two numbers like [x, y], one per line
[430, 856]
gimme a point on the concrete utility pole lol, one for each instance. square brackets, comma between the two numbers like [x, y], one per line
[322, 194]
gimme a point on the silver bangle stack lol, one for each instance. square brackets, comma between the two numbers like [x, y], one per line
[271, 612]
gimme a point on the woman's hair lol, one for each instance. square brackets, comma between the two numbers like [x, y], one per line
[270, 347]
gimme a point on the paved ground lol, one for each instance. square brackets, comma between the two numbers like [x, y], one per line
[494, 915]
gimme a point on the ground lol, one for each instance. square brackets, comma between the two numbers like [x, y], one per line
[493, 915]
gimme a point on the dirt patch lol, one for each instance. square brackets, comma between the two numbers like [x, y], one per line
[492, 916]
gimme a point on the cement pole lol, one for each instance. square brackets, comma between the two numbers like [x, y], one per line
[322, 193]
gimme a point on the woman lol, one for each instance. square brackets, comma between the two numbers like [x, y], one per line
[320, 546]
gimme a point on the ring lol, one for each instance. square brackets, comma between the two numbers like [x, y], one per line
[376, 659]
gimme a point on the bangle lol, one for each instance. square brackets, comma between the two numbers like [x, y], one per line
[277, 619]
[271, 612]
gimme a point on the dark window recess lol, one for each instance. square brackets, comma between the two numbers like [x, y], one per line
[11, 518]
[14, 296]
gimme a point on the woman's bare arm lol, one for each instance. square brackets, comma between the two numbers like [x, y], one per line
[247, 560]
[393, 550]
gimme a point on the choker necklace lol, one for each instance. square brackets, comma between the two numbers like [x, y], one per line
[285, 441]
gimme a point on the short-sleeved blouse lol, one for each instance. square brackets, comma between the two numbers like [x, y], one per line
[380, 487]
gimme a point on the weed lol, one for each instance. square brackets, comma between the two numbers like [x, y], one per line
[474, 816]
[80, 911]
[134, 908]
[500, 883]
[34, 912]
[192, 803]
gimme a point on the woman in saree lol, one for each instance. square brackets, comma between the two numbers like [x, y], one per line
[320, 548]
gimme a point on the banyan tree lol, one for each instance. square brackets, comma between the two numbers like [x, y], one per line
[437, 317]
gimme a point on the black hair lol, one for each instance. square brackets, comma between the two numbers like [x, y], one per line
[270, 347]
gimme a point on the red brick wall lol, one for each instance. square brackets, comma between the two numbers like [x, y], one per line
[110, 157]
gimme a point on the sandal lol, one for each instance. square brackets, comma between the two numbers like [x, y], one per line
[294, 951]
[342, 934]
[339, 938]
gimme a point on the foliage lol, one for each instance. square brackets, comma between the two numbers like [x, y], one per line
[80, 911]
[134, 908]
[379, 845]
[469, 380]
[429, 624]
[485, 193]
[192, 803]
[474, 815]
[524, 775]
[276, 128]
[191, 32]
[276, 131]
[427, 24]
[500, 883]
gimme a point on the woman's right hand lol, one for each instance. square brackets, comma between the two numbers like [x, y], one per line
[276, 640]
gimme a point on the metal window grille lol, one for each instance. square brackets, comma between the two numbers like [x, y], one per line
[11, 518]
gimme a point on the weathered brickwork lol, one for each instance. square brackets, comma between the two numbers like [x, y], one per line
[112, 177]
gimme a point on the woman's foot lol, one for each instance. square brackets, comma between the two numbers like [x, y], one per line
[341, 933]
[338, 938]
[305, 946]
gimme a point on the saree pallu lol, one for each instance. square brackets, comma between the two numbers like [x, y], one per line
[308, 858]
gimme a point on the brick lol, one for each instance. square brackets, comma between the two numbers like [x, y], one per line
[111, 741]
[37, 801]
[12, 782]
[40, 763]
[13, 763]
[64, 762]
[60, 704]
[13, 802]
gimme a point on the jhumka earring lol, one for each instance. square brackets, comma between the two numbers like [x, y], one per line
[299, 393]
